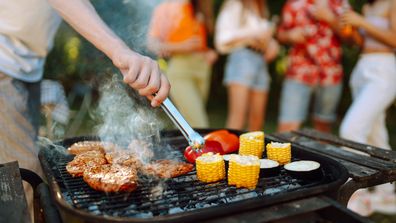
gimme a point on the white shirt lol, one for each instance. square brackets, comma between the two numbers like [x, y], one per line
[234, 20]
[27, 30]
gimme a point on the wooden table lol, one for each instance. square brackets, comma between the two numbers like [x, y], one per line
[367, 165]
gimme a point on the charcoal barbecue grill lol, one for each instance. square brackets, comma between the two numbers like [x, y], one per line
[183, 198]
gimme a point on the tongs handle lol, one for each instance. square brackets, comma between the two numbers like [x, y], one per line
[194, 139]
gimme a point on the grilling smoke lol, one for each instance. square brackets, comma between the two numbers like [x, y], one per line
[129, 121]
[126, 117]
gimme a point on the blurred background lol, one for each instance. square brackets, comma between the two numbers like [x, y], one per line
[81, 69]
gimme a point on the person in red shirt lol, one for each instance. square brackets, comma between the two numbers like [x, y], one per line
[177, 32]
[311, 27]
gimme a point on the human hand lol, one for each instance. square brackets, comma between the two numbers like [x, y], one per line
[352, 18]
[321, 12]
[261, 38]
[142, 74]
[297, 36]
[272, 50]
[264, 33]
[192, 43]
[211, 56]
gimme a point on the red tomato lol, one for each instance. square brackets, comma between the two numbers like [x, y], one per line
[229, 141]
[192, 154]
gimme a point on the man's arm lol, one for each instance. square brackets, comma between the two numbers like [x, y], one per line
[140, 72]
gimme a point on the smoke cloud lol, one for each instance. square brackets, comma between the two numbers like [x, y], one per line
[125, 116]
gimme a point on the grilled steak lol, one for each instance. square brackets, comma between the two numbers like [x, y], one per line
[85, 146]
[106, 168]
[111, 178]
[124, 158]
[167, 168]
[82, 161]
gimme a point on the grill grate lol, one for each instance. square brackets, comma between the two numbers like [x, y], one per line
[179, 194]
[181, 198]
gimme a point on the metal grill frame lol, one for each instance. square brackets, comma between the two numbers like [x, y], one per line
[330, 166]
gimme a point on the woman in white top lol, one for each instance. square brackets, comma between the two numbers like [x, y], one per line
[373, 85]
[243, 31]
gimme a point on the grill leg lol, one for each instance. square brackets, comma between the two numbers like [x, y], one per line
[47, 209]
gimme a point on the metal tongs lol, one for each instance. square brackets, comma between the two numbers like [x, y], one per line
[195, 140]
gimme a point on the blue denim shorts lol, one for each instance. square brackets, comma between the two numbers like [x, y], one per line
[295, 101]
[247, 67]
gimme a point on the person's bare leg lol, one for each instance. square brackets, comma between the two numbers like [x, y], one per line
[237, 106]
[257, 108]
[288, 126]
[322, 126]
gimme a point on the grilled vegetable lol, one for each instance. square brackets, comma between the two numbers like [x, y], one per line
[269, 168]
[229, 141]
[210, 168]
[191, 154]
[243, 171]
[252, 143]
[304, 169]
[280, 152]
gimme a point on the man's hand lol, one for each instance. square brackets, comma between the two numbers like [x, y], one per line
[322, 12]
[142, 74]
[297, 36]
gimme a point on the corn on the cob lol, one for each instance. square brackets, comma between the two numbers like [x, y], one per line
[243, 171]
[280, 152]
[252, 143]
[210, 167]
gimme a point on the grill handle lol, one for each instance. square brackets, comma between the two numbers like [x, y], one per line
[194, 139]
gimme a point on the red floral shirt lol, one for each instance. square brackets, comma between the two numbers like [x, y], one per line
[318, 60]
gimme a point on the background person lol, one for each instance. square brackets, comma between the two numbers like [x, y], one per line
[373, 85]
[243, 31]
[178, 32]
[27, 29]
[310, 28]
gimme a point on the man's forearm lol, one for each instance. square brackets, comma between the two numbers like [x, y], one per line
[81, 15]
[140, 72]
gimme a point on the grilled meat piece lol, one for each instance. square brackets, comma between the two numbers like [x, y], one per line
[85, 146]
[111, 178]
[85, 160]
[167, 168]
[124, 158]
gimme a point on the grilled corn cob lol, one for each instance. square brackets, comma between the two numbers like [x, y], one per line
[252, 143]
[280, 152]
[243, 171]
[210, 167]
